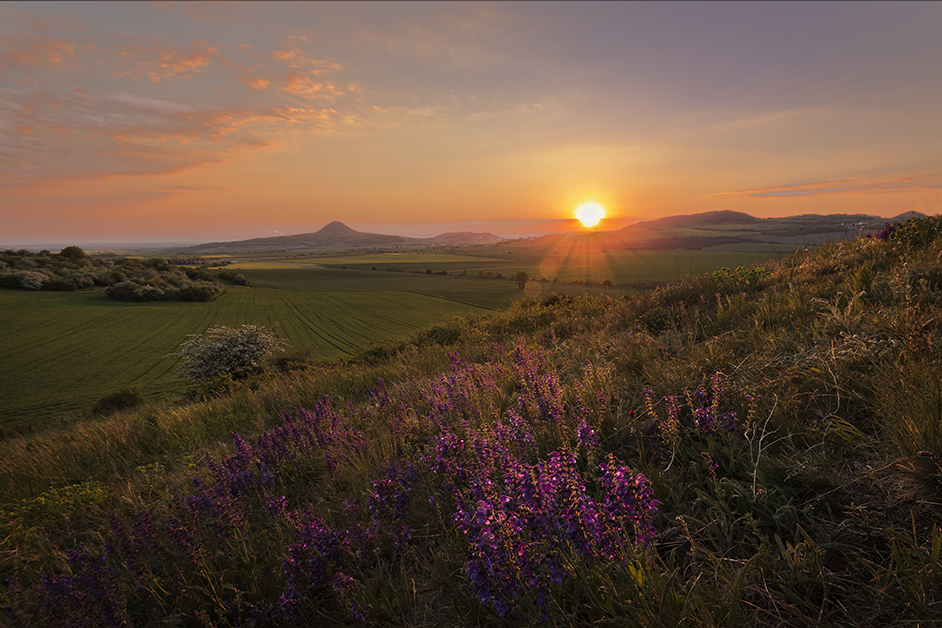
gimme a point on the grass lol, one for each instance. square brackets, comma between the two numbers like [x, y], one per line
[497, 469]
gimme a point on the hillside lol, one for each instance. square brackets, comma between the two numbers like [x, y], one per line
[335, 236]
[758, 446]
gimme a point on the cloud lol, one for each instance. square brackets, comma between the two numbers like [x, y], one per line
[34, 51]
[300, 84]
[296, 59]
[158, 62]
[454, 38]
[863, 185]
[259, 82]
[144, 114]
[67, 133]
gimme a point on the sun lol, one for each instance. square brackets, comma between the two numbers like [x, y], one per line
[589, 214]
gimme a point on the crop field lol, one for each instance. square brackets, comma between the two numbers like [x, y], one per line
[62, 352]
[565, 264]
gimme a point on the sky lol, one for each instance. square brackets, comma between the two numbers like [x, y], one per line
[220, 120]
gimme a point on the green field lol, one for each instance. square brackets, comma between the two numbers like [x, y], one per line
[566, 264]
[61, 352]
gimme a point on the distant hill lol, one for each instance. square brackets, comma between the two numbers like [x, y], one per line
[749, 228]
[337, 236]
[463, 238]
[725, 227]
[711, 228]
[711, 218]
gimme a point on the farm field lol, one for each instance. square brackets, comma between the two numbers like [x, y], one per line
[579, 263]
[62, 352]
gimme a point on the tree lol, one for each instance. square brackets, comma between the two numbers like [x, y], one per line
[227, 351]
[521, 278]
[73, 253]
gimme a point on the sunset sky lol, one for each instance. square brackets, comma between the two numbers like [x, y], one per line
[228, 120]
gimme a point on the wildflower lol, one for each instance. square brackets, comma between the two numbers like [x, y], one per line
[587, 437]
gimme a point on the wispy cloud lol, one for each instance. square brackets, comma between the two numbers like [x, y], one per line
[854, 185]
[54, 133]
[452, 37]
[244, 100]
[158, 62]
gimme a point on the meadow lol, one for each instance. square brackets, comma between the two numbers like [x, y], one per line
[751, 448]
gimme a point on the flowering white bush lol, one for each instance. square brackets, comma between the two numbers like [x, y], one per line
[226, 351]
[31, 280]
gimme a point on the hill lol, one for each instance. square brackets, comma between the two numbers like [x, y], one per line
[722, 228]
[334, 236]
[711, 218]
[757, 446]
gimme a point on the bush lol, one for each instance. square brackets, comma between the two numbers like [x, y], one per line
[121, 400]
[204, 291]
[73, 253]
[198, 274]
[238, 279]
[30, 280]
[227, 351]
[130, 291]
[55, 284]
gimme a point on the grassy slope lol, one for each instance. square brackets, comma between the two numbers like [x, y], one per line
[820, 507]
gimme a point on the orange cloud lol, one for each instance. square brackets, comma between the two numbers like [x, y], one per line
[37, 52]
[255, 83]
[77, 133]
[298, 84]
[295, 59]
[159, 64]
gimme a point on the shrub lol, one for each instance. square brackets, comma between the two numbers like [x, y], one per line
[73, 253]
[198, 274]
[130, 291]
[521, 279]
[55, 284]
[227, 351]
[238, 279]
[30, 280]
[121, 400]
[204, 291]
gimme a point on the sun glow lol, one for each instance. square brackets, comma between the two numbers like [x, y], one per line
[589, 214]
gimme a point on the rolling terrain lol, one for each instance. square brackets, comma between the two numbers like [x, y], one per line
[332, 304]
[757, 447]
